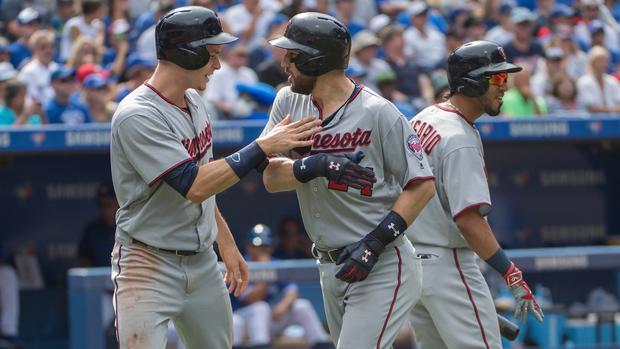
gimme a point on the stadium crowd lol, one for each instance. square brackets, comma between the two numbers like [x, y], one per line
[71, 61]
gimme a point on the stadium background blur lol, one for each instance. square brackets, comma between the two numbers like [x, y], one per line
[552, 156]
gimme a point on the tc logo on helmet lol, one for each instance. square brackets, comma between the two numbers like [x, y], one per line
[501, 52]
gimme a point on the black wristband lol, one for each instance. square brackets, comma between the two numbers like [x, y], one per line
[246, 159]
[391, 227]
[499, 261]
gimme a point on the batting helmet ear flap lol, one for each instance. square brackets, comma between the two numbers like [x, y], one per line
[472, 87]
[308, 65]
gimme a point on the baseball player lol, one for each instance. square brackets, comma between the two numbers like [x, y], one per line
[369, 276]
[266, 309]
[163, 264]
[456, 309]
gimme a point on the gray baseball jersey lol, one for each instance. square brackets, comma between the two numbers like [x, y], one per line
[456, 309]
[454, 151]
[150, 137]
[366, 314]
[334, 215]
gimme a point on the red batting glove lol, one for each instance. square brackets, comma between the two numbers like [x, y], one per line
[525, 300]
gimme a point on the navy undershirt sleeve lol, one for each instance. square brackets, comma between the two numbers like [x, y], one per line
[182, 177]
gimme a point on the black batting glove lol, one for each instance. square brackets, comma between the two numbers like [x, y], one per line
[359, 258]
[339, 168]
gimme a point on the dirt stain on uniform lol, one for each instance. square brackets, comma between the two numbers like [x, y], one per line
[135, 340]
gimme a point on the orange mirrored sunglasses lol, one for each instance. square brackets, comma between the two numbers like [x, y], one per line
[498, 79]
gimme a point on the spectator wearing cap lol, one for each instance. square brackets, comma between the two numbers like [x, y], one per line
[591, 10]
[562, 99]
[597, 38]
[364, 48]
[86, 69]
[249, 20]
[36, 73]
[5, 50]
[519, 101]
[386, 86]
[598, 91]
[88, 24]
[266, 309]
[344, 11]
[502, 32]
[63, 109]
[222, 91]
[561, 14]
[576, 60]
[424, 44]
[17, 112]
[523, 47]
[97, 238]
[411, 81]
[27, 23]
[553, 65]
[98, 97]
[137, 71]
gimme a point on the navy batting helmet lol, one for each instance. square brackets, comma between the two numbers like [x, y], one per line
[470, 66]
[260, 235]
[182, 34]
[323, 42]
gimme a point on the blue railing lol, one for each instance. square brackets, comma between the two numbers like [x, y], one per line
[96, 137]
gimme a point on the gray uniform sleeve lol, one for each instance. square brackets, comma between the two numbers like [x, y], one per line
[278, 112]
[151, 147]
[465, 181]
[402, 152]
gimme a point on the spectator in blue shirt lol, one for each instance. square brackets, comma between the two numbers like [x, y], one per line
[27, 23]
[97, 95]
[98, 237]
[63, 109]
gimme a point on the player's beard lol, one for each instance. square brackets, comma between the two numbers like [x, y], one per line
[303, 84]
[489, 106]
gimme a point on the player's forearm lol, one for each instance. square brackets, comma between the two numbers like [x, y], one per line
[212, 178]
[477, 232]
[224, 235]
[413, 199]
[278, 176]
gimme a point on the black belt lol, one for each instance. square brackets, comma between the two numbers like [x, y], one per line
[326, 256]
[176, 252]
